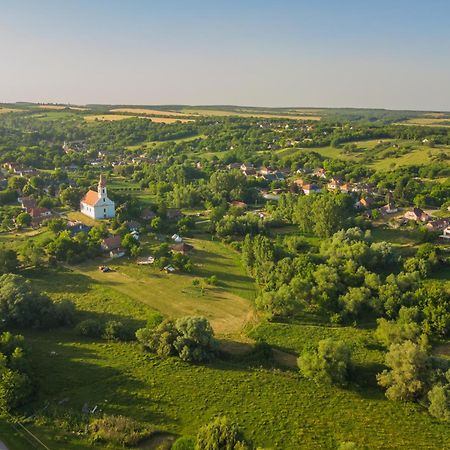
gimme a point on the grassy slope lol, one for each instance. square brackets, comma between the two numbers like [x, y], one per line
[418, 155]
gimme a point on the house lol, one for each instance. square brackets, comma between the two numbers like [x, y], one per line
[245, 167]
[234, 166]
[310, 189]
[170, 269]
[334, 184]
[299, 182]
[437, 225]
[345, 188]
[111, 243]
[145, 260]
[77, 227]
[445, 234]
[147, 214]
[96, 204]
[249, 172]
[117, 253]
[133, 225]
[389, 208]
[39, 213]
[182, 248]
[319, 173]
[177, 239]
[364, 203]
[28, 203]
[174, 214]
[418, 215]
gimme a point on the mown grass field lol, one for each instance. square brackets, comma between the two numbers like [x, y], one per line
[227, 306]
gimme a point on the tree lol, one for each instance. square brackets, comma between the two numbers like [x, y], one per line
[404, 328]
[8, 260]
[23, 220]
[329, 363]
[191, 338]
[405, 379]
[22, 306]
[220, 434]
[439, 397]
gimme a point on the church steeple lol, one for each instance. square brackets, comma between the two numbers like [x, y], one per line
[102, 187]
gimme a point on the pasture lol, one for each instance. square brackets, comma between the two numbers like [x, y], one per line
[178, 397]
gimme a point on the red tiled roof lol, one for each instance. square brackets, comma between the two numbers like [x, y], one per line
[112, 242]
[91, 198]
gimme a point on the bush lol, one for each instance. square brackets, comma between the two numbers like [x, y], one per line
[90, 328]
[220, 434]
[329, 363]
[117, 331]
[119, 430]
[191, 338]
[184, 443]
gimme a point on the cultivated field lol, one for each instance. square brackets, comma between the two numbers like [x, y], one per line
[249, 113]
[114, 117]
[428, 121]
[8, 110]
[154, 112]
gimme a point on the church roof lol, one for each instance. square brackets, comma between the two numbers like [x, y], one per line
[91, 198]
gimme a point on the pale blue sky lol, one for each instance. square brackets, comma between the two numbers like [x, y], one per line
[379, 53]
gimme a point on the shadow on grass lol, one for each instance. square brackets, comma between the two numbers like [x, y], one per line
[76, 382]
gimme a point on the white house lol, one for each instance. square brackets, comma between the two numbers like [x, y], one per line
[96, 204]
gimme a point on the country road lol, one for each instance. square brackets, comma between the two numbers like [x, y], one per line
[3, 446]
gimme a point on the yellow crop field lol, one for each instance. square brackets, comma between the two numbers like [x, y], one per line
[7, 110]
[155, 112]
[113, 117]
[167, 119]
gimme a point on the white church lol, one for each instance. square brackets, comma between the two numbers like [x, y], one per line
[97, 205]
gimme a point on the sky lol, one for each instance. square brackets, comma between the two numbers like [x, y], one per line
[322, 53]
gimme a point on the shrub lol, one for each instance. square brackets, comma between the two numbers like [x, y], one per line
[184, 443]
[117, 331]
[220, 434]
[119, 430]
[439, 397]
[90, 328]
[329, 363]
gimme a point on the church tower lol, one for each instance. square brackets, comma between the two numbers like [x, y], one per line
[101, 189]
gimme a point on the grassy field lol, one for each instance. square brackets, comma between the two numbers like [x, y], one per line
[277, 409]
[418, 154]
[428, 121]
[227, 306]
[149, 144]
